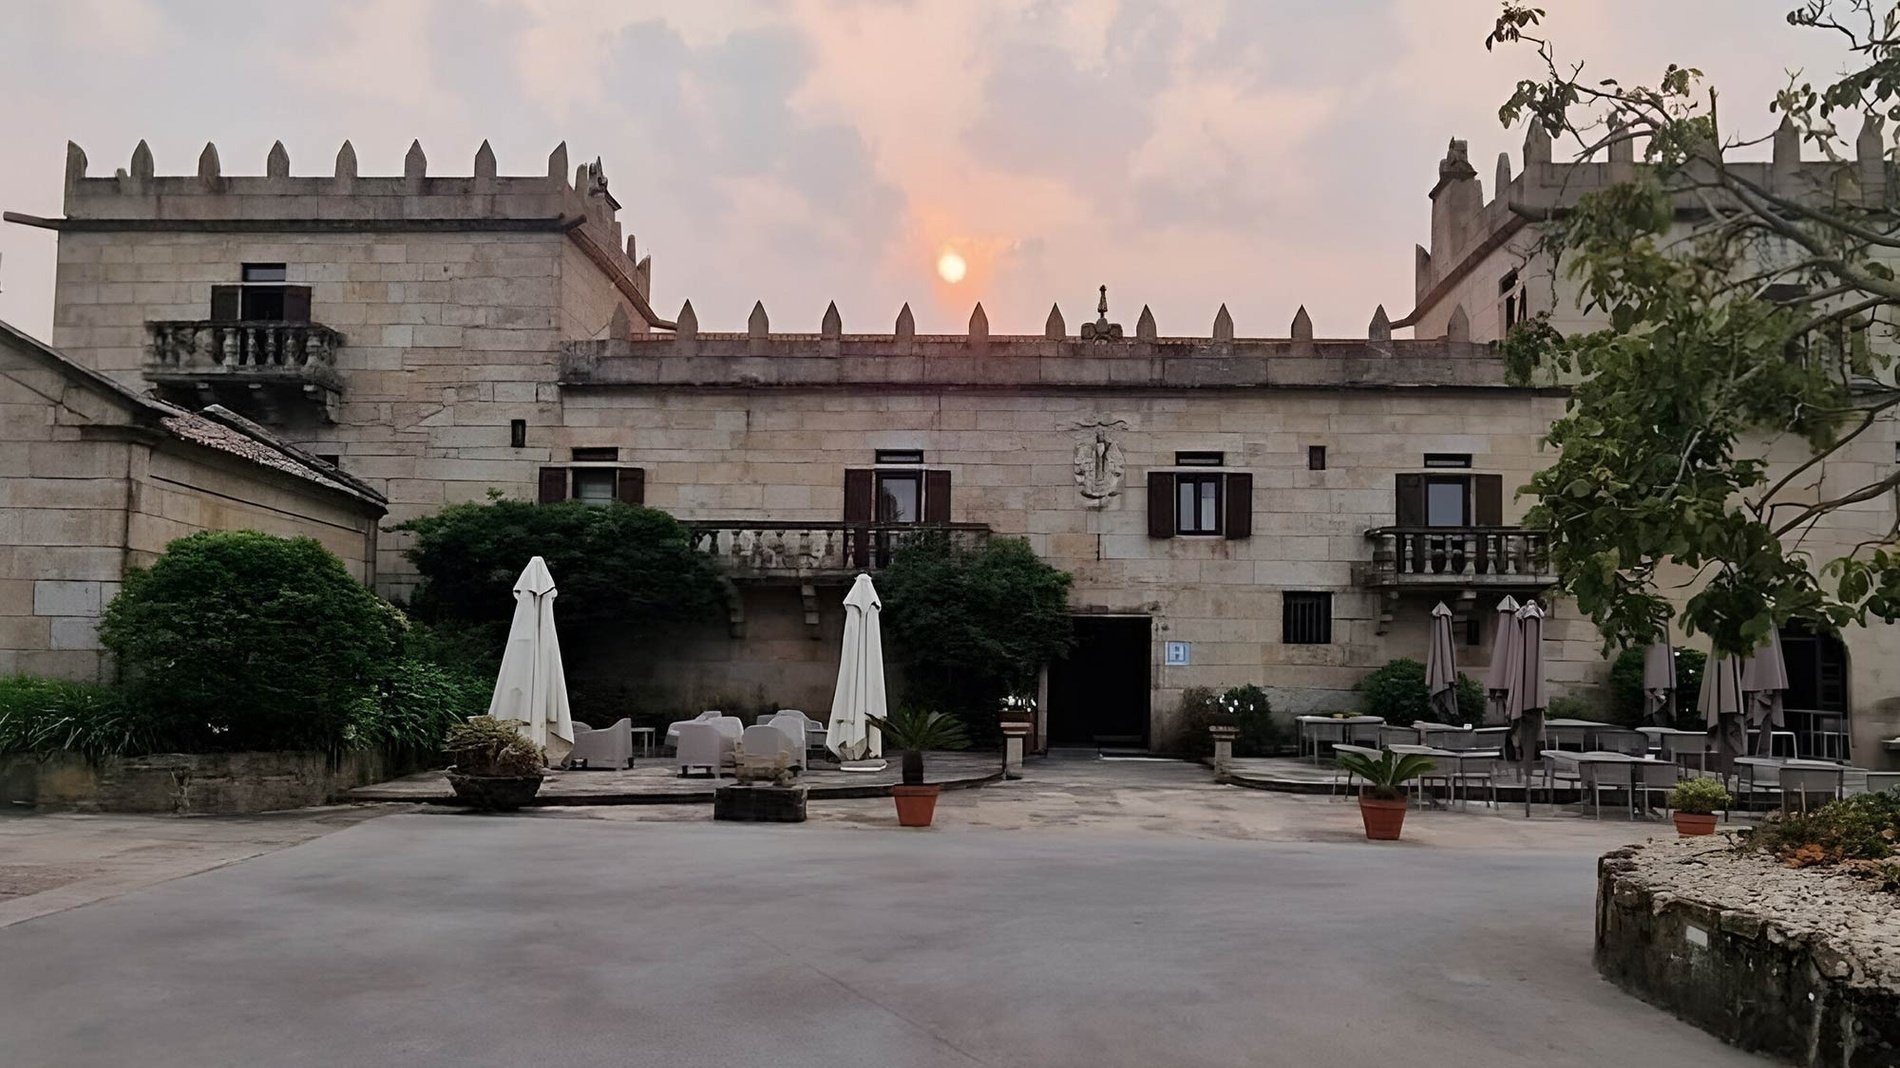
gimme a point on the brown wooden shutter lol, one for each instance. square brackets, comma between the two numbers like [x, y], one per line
[296, 304]
[631, 486]
[936, 496]
[1408, 501]
[225, 303]
[1487, 500]
[553, 485]
[1238, 506]
[860, 497]
[1160, 504]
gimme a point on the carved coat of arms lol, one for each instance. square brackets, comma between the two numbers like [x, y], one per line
[1098, 469]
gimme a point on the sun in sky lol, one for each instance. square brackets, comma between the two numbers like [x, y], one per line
[950, 266]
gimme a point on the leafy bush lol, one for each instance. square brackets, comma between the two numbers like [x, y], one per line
[1865, 827]
[917, 730]
[420, 702]
[972, 624]
[1252, 712]
[1626, 687]
[1386, 774]
[1587, 703]
[1699, 796]
[615, 563]
[489, 746]
[237, 640]
[1200, 709]
[1396, 693]
[43, 716]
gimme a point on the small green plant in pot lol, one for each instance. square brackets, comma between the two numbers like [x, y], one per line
[1695, 802]
[1382, 797]
[494, 767]
[912, 731]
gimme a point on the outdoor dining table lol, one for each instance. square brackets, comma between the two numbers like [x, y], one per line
[1577, 760]
[1661, 736]
[1454, 757]
[1583, 727]
[1318, 728]
[1745, 766]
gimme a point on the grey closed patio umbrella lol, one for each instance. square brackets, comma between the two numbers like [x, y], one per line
[1721, 708]
[1441, 668]
[1497, 678]
[1764, 680]
[1528, 694]
[1659, 684]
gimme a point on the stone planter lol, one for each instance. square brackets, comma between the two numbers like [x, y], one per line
[1383, 819]
[916, 805]
[494, 793]
[1691, 824]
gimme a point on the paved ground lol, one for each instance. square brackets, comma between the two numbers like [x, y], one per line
[1095, 914]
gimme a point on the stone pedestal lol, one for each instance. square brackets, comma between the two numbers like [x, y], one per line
[1015, 734]
[746, 803]
[1223, 747]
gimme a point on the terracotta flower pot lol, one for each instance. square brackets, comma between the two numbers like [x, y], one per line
[1689, 824]
[916, 805]
[1383, 819]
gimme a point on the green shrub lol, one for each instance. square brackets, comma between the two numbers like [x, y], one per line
[1626, 687]
[43, 716]
[1200, 709]
[973, 623]
[236, 640]
[1587, 703]
[419, 703]
[1699, 796]
[1865, 827]
[1252, 713]
[1396, 693]
[488, 746]
[613, 564]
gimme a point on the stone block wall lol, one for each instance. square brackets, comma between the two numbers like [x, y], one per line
[190, 784]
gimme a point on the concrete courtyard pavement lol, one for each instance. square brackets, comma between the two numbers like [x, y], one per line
[1093, 914]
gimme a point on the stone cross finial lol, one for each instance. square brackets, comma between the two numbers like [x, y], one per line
[557, 162]
[414, 163]
[758, 325]
[142, 161]
[631, 254]
[1502, 176]
[1145, 325]
[277, 163]
[1223, 325]
[686, 325]
[906, 326]
[1381, 327]
[208, 161]
[1456, 166]
[346, 161]
[484, 161]
[1054, 328]
[1536, 145]
[979, 324]
[1302, 325]
[1458, 327]
[832, 325]
[1101, 329]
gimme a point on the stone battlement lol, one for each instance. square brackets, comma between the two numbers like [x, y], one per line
[136, 198]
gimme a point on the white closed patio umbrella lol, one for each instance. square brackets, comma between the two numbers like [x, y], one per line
[1497, 678]
[1764, 680]
[1721, 706]
[1659, 684]
[1441, 668]
[1528, 695]
[860, 692]
[531, 688]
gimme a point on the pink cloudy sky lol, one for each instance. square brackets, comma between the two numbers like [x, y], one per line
[1185, 152]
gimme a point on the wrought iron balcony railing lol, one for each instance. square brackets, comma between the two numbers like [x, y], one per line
[749, 549]
[1445, 557]
[249, 349]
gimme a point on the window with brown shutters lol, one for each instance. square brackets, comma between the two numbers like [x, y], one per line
[632, 486]
[225, 303]
[1408, 500]
[553, 485]
[1161, 504]
[1238, 506]
[296, 306]
[1487, 500]
[596, 485]
[936, 496]
[860, 495]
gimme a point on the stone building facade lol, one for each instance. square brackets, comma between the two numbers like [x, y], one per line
[95, 478]
[1278, 511]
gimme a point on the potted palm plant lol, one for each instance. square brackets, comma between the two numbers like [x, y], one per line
[1695, 802]
[912, 731]
[1382, 797]
[495, 768]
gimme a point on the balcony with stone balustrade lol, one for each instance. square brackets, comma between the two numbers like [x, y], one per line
[260, 367]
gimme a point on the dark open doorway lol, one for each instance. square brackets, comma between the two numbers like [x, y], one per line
[1098, 695]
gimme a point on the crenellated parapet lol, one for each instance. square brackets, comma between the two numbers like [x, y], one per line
[1466, 227]
[1101, 356]
[575, 201]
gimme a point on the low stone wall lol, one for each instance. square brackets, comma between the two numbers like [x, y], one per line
[1802, 965]
[224, 784]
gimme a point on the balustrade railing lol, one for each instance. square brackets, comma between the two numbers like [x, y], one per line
[1459, 555]
[766, 550]
[255, 346]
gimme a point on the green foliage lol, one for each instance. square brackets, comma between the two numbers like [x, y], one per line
[1386, 774]
[45, 716]
[1769, 323]
[1252, 713]
[917, 730]
[973, 623]
[616, 563]
[1396, 693]
[488, 746]
[1865, 827]
[237, 640]
[419, 702]
[1626, 687]
[1200, 709]
[1699, 796]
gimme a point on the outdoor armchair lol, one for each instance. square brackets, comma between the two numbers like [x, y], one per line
[610, 747]
[702, 746]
